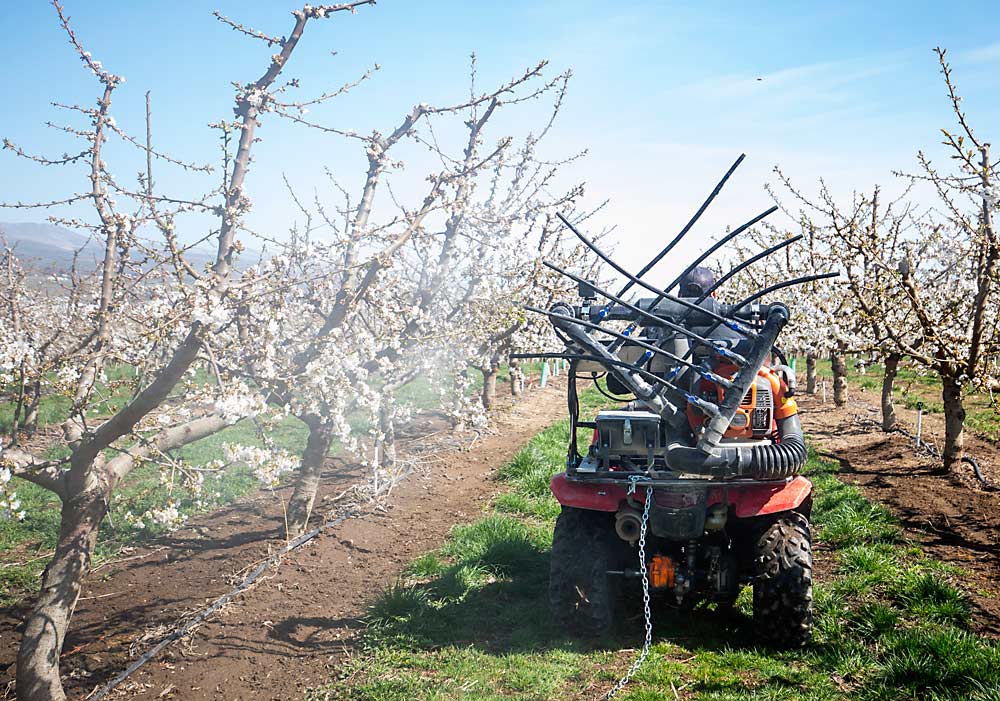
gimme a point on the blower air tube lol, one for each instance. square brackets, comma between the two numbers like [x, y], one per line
[774, 461]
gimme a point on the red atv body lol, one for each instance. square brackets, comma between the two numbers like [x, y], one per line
[744, 501]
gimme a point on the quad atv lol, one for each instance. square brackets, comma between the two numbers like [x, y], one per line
[691, 485]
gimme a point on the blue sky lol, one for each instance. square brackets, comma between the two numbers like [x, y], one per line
[664, 95]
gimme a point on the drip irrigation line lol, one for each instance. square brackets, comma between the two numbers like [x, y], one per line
[978, 472]
[933, 451]
[967, 459]
[226, 598]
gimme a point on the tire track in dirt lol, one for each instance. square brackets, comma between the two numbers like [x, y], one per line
[290, 631]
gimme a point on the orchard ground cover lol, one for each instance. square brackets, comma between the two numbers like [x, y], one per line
[25, 544]
[470, 621]
[913, 390]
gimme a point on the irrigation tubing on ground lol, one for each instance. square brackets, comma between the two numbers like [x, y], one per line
[967, 459]
[932, 450]
[978, 472]
[226, 598]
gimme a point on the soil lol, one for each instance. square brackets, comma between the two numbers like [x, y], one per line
[951, 517]
[293, 629]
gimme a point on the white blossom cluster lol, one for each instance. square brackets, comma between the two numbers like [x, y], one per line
[333, 329]
[912, 279]
[167, 517]
[267, 465]
[238, 403]
[10, 505]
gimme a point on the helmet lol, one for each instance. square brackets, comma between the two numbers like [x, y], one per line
[697, 282]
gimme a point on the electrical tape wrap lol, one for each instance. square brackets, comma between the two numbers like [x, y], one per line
[772, 461]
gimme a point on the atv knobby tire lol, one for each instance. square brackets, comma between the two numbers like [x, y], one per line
[782, 585]
[582, 594]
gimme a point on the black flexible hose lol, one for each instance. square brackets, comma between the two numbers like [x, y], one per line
[773, 461]
[976, 469]
[784, 459]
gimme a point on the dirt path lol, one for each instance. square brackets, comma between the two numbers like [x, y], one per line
[951, 517]
[286, 633]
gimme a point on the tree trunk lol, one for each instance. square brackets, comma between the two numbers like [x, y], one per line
[45, 630]
[31, 418]
[839, 363]
[811, 373]
[954, 423]
[489, 394]
[457, 401]
[516, 379]
[888, 407]
[310, 473]
[15, 424]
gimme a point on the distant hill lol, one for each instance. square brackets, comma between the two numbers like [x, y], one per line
[51, 247]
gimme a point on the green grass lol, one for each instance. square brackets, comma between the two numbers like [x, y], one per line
[420, 393]
[984, 421]
[470, 621]
[110, 395]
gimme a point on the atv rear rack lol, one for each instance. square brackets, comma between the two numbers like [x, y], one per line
[687, 481]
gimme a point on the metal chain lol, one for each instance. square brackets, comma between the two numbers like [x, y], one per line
[623, 682]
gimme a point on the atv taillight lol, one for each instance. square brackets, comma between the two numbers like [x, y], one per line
[661, 572]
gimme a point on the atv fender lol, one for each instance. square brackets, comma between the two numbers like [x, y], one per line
[746, 501]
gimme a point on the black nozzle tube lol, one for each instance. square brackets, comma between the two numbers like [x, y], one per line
[782, 285]
[630, 377]
[687, 227]
[700, 259]
[742, 266]
[660, 294]
[747, 263]
[640, 343]
[724, 352]
[719, 244]
[767, 290]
